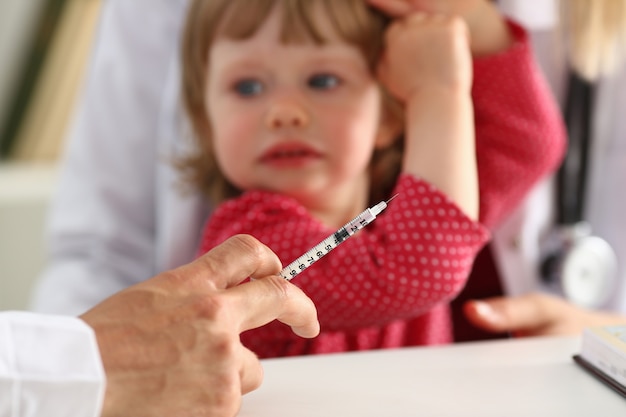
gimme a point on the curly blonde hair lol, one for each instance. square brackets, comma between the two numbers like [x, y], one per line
[353, 20]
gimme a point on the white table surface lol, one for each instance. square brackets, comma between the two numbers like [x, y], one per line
[525, 377]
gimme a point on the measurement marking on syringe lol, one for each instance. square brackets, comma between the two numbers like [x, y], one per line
[334, 240]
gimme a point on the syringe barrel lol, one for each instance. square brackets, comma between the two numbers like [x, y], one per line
[332, 241]
[360, 221]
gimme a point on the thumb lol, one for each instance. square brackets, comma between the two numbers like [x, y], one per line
[482, 315]
[523, 314]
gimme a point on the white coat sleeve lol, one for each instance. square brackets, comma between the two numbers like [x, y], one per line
[50, 366]
[101, 230]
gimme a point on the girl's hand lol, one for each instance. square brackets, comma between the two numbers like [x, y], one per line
[426, 52]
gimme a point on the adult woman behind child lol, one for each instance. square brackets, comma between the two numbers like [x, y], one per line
[297, 138]
[118, 224]
[586, 37]
[510, 274]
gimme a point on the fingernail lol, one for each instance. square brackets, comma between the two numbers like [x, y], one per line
[487, 312]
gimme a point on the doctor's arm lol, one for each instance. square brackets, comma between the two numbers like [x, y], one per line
[168, 346]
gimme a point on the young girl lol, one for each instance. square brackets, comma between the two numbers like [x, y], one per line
[298, 137]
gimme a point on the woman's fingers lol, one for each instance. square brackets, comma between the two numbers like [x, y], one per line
[393, 8]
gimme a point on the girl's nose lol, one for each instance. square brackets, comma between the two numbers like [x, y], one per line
[286, 114]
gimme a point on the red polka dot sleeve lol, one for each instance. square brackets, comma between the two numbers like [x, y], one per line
[520, 134]
[416, 254]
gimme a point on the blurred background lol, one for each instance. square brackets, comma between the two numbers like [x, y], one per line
[44, 45]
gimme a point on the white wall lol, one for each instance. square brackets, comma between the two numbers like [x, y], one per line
[25, 192]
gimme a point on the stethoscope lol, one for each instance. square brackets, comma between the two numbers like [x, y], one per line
[581, 266]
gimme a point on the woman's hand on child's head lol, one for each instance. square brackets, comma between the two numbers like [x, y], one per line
[489, 33]
[467, 9]
[426, 51]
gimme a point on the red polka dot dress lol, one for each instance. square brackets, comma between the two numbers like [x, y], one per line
[415, 257]
[390, 284]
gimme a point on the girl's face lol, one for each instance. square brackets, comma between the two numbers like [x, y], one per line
[299, 119]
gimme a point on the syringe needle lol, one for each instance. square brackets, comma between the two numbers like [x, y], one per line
[392, 197]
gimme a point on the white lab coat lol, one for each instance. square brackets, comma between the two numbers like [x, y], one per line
[517, 243]
[119, 217]
[50, 366]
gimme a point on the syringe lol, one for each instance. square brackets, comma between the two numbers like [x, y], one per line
[334, 240]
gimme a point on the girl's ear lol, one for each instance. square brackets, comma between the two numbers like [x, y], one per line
[392, 122]
[387, 134]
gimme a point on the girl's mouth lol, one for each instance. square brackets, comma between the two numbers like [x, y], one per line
[290, 155]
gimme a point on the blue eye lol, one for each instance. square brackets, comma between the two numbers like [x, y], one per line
[248, 87]
[324, 81]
